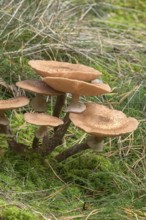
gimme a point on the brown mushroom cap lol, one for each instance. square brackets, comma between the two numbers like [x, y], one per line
[37, 86]
[101, 121]
[63, 69]
[77, 87]
[13, 103]
[42, 119]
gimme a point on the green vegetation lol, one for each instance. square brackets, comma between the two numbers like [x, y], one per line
[110, 36]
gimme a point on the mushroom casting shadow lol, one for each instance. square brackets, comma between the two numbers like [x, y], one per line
[99, 121]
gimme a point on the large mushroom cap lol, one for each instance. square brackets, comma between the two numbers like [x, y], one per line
[37, 86]
[99, 120]
[77, 87]
[63, 69]
[13, 103]
[42, 119]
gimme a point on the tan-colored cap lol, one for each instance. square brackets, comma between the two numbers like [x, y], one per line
[42, 119]
[63, 69]
[77, 87]
[101, 121]
[37, 86]
[13, 103]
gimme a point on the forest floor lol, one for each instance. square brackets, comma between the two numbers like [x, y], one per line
[111, 37]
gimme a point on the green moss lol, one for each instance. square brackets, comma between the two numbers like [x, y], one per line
[13, 213]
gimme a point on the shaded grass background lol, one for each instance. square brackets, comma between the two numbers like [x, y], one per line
[110, 36]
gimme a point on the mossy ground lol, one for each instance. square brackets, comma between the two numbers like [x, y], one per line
[109, 36]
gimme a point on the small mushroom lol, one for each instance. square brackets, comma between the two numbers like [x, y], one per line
[43, 120]
[76, 88]
[38, 103]
[63, 69]
[11, 103]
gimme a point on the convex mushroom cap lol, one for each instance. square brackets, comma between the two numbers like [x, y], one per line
[63, 69]
[13, 103]
[77, 87]
[37, 86]
[42, 119]
[99, 120]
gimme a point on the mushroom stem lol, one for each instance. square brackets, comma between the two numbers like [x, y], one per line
[35, 143]
[95, 143]
[39, 103]
[45, 141]
[71, 151]
[41, 132]
[75, 99]
[3, 129]
[60, 100]
[3, 119]
[58, 105]
[75, 105]
[56, 140]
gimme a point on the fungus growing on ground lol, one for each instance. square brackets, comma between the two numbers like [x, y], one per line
[11, 103]
[8, 104]
[76, 88]
[63, 69]
[99, 121]
[96, 120]
[41, 89]
[44, 121]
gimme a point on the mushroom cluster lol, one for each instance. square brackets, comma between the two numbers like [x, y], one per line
[58, 79]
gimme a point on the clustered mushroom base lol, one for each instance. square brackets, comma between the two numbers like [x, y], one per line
[59, 78]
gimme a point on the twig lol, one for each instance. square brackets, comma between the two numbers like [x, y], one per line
[58, 105]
